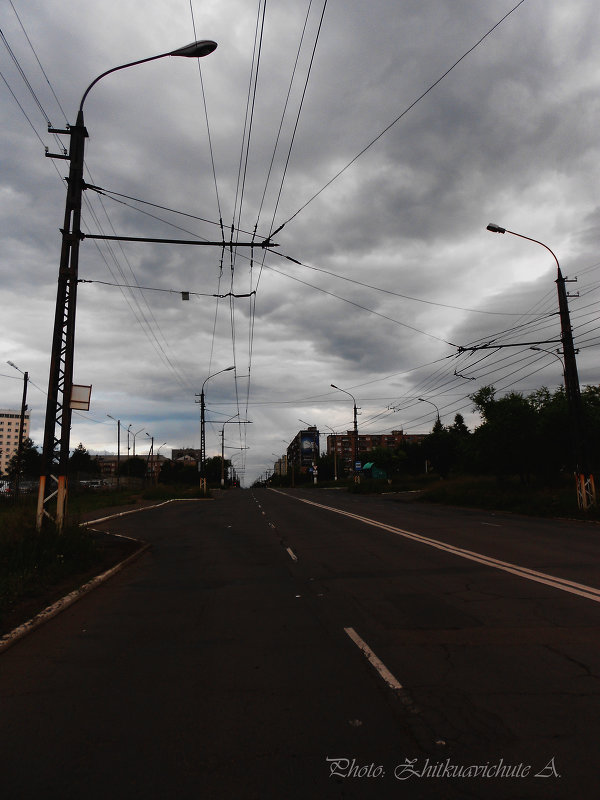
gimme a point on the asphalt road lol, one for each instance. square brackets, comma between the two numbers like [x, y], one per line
[307, 644]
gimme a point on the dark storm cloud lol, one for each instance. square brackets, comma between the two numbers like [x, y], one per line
[510, 136]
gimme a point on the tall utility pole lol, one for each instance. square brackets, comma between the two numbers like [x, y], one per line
[57, 428]
[55, 454]
[150, 460]
[21, 426]
[239, 422]
[356, 466]
[202, 467]
[118, 421]
[586, 494]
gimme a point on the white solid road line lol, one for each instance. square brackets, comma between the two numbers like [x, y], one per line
[580, 589]
[381, 668]
[291, 554]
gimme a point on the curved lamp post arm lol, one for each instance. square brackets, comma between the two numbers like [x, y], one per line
[194, 50]
[424, 400]
[497, 229]
[572, 389]
[55, 453]
[356, 471]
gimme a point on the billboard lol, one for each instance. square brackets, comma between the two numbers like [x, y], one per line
[309, 447]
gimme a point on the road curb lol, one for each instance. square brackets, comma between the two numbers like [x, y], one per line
[141, 508]
[60, 605]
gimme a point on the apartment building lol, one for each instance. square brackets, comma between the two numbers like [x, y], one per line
[342, 444]
[10, 427]
[303, 450]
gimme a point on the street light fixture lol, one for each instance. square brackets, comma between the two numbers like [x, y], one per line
[356, 465]
[134, 435]
[203, 427]
[424, 400]
[555, 353]
[150, 454]
[118, 421]
[586, 495]
[21, 426]
[335, 474]
[57, 428]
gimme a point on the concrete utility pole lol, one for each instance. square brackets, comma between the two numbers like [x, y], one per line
[21, 426]
[356, 467]
[240, 422]
[118, 421]
[57, 428]
[586, 493]
[424, 400]
[202, 468]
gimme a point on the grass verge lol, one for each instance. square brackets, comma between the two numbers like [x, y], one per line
[31, 563]
[36, 569]
[559, 500]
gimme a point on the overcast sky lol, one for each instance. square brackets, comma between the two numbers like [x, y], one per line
[397, 269]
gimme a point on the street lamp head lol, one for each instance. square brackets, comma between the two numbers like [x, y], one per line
[199, 49]
[333, 386]
[495, 228]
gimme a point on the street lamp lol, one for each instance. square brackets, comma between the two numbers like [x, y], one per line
[55, 454]
[356, 468]
[424, 400]
[150, 454]
[134, 435]
[203, 427]
[223, 448]
[335, 475]
[118, 421]
[156, 471]
[240, 422]
[586, 495]
[554, 353]
[21, 426]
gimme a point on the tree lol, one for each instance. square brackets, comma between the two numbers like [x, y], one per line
[390, 459]
[179, 472]
[439, 449]
[82, 462]
[31, 461]
[212, 469]
[133, 467]
[507, 441]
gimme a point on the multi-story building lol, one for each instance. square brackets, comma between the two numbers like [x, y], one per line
[342, 444]
[187, 456]
[10, 427]
[303, 450]
[280, 467]
[108, 465]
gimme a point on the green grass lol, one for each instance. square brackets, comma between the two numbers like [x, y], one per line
[30, 562]
[559, 500]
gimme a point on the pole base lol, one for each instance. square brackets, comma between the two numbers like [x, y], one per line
[586, 491]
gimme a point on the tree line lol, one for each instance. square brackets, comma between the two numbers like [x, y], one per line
[523, 435]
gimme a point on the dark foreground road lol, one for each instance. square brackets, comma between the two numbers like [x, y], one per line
[228, 662]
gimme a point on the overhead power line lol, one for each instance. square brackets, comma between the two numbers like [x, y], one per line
[400, 116]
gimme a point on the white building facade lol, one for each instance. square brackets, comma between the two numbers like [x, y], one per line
[10, 427]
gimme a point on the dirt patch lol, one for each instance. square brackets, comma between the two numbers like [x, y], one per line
[111, 551]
